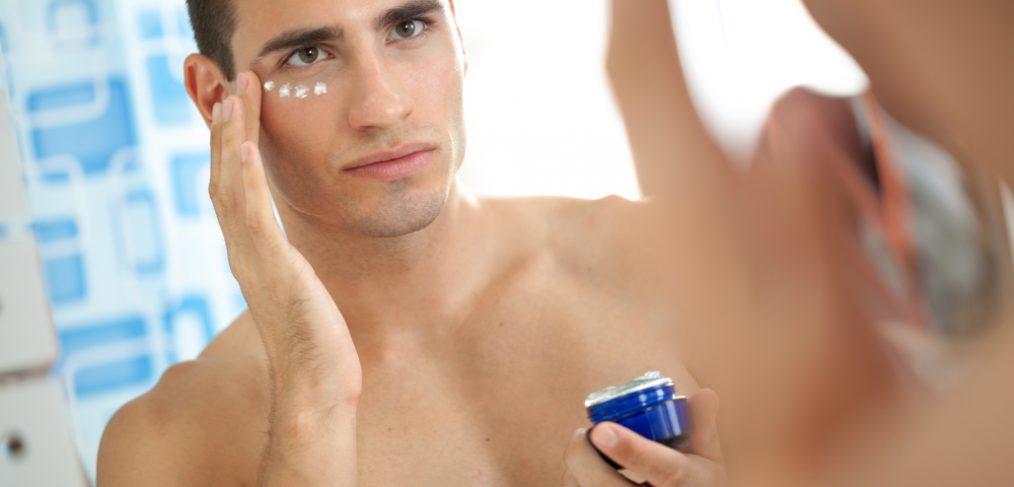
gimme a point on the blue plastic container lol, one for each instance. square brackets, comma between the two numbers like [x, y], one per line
[647, 405]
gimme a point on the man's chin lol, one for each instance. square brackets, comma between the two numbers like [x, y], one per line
[400, 218]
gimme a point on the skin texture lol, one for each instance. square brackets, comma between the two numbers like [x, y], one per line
[398, 329]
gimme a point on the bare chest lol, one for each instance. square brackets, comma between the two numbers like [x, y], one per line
[497, 402]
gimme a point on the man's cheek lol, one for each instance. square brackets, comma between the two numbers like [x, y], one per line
[303, 117]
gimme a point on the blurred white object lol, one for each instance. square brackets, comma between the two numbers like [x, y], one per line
[37, 449]
[13, 201]
[739, 56]
[539, 111]
[27, 336]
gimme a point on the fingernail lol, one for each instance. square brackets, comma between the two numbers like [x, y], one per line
[216, 114]
[227, 109]
[243, 82]
[244, 152]
[603, 437]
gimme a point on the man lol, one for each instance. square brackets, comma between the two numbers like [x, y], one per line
[773, 271]
[954, 88]
[401, 331]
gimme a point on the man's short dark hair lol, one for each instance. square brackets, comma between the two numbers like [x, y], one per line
[214, 22]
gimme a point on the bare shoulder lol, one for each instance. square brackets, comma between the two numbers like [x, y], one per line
[567, 220]
[590, 237]
[584, 230]
[202, 424]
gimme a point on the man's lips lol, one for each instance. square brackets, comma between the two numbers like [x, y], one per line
[393, 164]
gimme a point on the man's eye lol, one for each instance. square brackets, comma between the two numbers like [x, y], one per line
[306, 56]
[407, 29]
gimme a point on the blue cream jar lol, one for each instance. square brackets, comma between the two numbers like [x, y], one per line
[647, 405]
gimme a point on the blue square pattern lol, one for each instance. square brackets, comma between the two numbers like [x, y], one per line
[190, 309]
[7, 74]
[169, 96]
[65, 274]
[73, 16]
[150, 24]
[104, 372]
[92, 142]
[148, 244]
[185, 169]
[183, 24]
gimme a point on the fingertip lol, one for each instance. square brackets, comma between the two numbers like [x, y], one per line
[709, 395]
[237, 110]
[242, 83]
[603, 436]
[244, 152]
[704, 438]
[706, 399]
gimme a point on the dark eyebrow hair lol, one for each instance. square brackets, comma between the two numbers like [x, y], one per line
[408, 10]
[307, 37]
[299, 38]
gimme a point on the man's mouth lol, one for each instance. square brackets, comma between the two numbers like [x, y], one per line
[397, 163]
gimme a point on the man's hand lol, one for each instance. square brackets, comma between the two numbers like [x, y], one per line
[315, 372]
[644, 460]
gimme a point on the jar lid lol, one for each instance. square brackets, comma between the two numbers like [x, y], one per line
[647, 381]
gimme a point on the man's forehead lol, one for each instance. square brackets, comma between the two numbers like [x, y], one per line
[257, 21]
[265, 17]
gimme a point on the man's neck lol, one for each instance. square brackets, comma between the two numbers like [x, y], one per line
[389, 286]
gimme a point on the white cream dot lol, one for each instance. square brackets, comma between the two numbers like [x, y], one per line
[284, 91]
[268, 86]
[319, 89]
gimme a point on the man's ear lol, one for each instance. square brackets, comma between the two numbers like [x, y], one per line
[206, 84]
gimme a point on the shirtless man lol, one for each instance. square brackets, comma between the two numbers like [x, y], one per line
[400, 331]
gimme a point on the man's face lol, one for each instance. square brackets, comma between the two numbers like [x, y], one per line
[392, 71]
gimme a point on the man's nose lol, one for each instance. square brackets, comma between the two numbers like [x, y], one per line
[378, 100]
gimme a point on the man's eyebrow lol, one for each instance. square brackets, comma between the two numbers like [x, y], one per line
[300, 38]
[408, 10]
[307, 37]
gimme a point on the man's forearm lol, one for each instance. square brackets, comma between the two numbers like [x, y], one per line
[310, 447]
[673, 151]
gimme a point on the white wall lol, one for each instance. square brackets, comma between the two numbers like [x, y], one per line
[539, 112]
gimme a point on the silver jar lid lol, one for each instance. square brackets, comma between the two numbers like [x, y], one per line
[646, 381]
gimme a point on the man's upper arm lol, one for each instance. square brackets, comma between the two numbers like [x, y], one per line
[138, 448]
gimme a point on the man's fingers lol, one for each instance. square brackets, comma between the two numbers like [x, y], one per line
[587, 468]
[226, 187]
[229, 200]
[703, 410]
[216, 149]
[248, 88]
[657, 463]
[260, 216]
